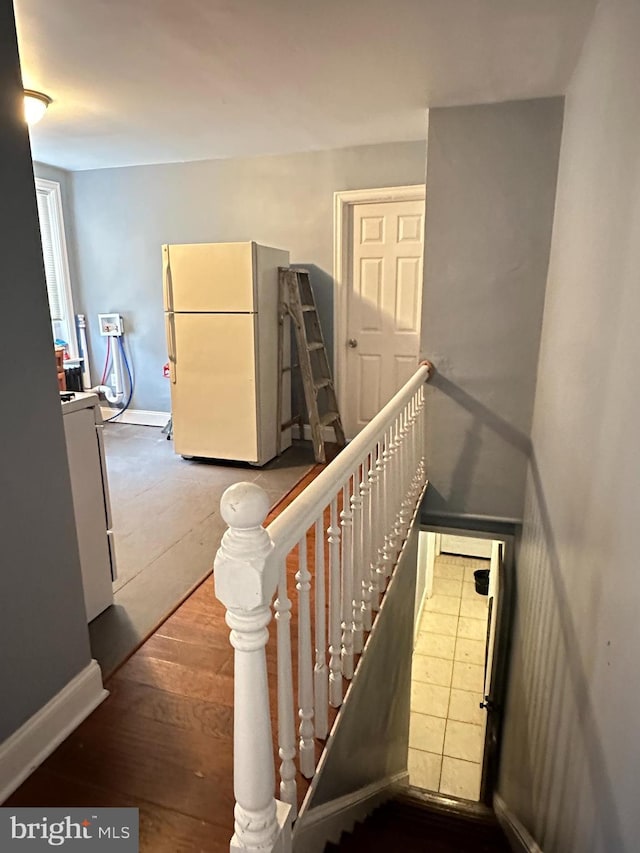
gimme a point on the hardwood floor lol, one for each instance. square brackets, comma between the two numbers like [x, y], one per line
[162, 741]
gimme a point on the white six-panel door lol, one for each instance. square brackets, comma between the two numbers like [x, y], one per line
[383, 305]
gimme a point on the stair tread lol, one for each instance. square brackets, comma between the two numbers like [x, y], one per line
[329, 418]
[408, 825]
[315, 345]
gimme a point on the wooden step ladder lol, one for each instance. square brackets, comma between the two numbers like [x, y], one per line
[296, 300]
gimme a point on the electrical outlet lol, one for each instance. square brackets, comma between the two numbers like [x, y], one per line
[111, 325]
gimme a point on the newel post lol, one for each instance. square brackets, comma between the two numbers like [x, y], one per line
[245, 582]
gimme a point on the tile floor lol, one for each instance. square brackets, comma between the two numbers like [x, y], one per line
[446, 735]
[167, 527]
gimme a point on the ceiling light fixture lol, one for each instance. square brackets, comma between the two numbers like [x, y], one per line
[35, 105]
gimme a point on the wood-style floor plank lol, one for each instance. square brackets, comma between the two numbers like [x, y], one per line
[181, 712]
[163, 739]
[161, 830]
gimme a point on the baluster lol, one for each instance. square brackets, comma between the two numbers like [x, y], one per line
[356, 512]
[414, 457]
[409, 472]
[423, 433]
[391, 508]
[365, 491]
[346, 518]
[413, 463]
[321, 671]
[373, 523]
[416, 443]
[245, 581]
[391, 488]
[397, 484]
[419, 424]
[387, 458]
[380, 527]
[286, 719]
[399, 476]
[406, 468]
[397, 480]
[305, 679]
[335, 665]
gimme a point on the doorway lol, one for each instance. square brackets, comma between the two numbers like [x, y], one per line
[458, 665]
[378, 258]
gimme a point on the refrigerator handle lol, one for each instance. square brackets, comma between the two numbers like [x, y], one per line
[167, 284]
[170, 330]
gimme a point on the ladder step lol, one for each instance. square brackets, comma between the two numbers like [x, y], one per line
[329, 418]
[297, 300]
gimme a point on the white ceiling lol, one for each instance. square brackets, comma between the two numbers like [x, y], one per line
[153, 81]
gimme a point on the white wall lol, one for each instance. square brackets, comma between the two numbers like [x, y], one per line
[571, 750]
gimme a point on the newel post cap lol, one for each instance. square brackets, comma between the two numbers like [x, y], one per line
[244, 506]
[429, 365]
[244, 577]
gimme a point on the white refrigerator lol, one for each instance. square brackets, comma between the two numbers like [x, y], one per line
[221, 319]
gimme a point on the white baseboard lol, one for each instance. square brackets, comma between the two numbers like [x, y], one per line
[36, 739]
[519, 837]
[141, 417]
[144, 417]
[316, 827]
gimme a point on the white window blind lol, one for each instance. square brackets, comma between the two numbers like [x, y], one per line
[48, 252]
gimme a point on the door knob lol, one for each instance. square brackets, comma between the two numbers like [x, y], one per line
[352, 342]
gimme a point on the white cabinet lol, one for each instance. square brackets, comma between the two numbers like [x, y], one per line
[92, 509]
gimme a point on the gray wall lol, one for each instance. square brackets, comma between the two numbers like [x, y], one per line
[571, 752]
[491, 179]
[372, 738]
[52, 173]
[122, 217]
[43, 632]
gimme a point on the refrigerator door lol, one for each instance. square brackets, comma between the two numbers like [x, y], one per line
[213, 396]
[209, 277]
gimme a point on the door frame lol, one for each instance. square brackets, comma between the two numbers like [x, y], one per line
[503, 615]
[342, 245]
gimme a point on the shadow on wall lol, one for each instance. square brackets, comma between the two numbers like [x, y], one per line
[552, 746]
[466, 465]
[560, 789]
[482, 417]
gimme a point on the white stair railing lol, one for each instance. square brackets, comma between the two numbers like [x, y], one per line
[360, 508]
